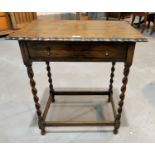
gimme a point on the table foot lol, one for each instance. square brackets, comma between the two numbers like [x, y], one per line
[43, 132]
[41, 127]
[115, 131]
[52, 98]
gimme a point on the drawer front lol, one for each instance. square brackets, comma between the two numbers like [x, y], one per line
[76, 51]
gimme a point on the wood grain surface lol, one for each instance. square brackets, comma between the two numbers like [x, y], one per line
[75, 30]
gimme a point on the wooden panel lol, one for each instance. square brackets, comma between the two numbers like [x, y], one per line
[28, 16]
[21, 19]
[3, 23]
[78, 31]
[2, 14]
[76, 51]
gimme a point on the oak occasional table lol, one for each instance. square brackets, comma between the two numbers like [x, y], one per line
[77, 41]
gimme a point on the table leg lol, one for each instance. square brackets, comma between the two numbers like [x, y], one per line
[122, 96]
[35, 98]
[140, 18]
[50, 80]
[153, 27]
[133, 19]
[144, 24]
[111, 80]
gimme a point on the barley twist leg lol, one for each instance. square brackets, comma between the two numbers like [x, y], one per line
[111, 80]
[122, 97]
[50, 81]
[35, 98]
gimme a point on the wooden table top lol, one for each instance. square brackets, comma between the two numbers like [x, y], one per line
[75, 30]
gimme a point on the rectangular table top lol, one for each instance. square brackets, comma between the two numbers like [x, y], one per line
[77, 30]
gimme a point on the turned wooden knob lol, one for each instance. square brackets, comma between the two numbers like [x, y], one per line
[48, 51]
[107, 53]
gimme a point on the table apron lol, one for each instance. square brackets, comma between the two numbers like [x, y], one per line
[77, 52]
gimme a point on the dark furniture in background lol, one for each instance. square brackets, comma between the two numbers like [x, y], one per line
[147, 18]
[140, 14]
[46, 40]
[152, 19]
[117, 15]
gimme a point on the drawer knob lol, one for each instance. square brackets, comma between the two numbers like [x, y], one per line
[48, 51]
[106, 53]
